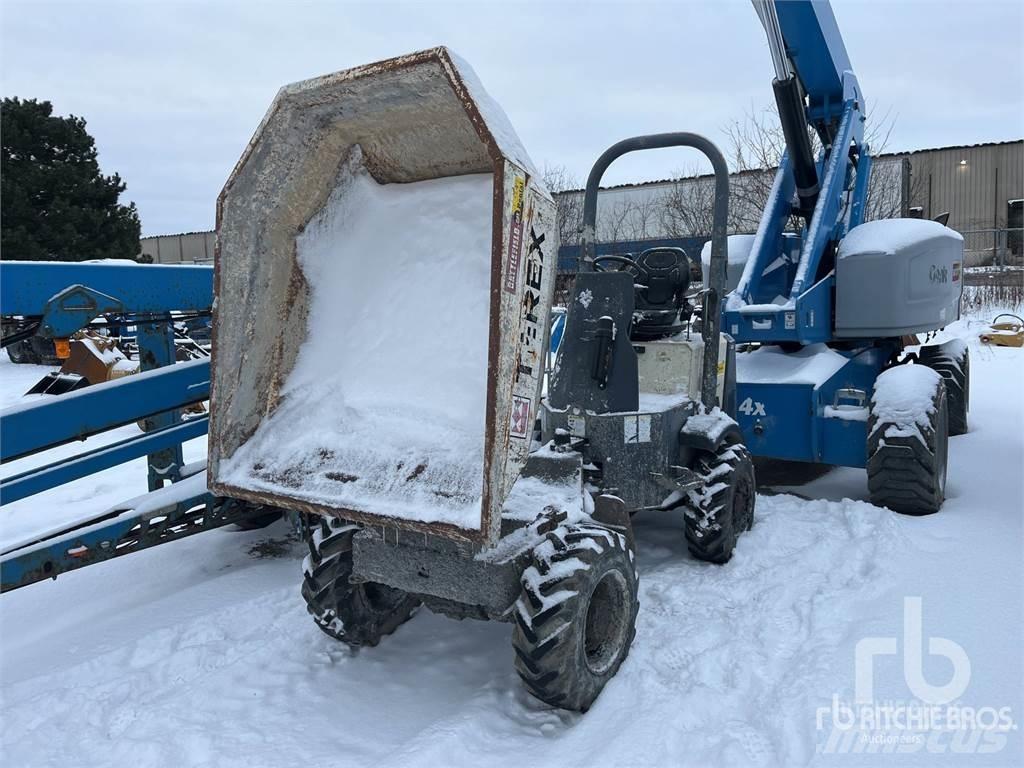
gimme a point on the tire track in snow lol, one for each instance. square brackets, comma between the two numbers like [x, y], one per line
[733, 660]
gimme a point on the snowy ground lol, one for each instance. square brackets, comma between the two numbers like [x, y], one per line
[201, 653]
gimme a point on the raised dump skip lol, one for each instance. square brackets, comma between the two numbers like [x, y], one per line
[384, 273]
[381, 410]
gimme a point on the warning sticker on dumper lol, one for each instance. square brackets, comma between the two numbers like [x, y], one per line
[519, 426]
[515, 234]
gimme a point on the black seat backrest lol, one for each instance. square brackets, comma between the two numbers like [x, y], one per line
[666, 280]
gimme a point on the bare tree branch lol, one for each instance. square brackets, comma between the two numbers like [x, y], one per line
[568, 207]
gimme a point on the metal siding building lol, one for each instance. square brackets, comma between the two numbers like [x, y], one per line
[186, 248]
[973, 183]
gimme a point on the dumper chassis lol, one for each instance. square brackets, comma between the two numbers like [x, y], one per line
[638, 413]
[619, 436]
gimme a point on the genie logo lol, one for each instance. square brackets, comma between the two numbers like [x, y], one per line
[938, 274]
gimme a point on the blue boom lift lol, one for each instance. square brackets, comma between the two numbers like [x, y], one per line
[55, 300]
[826, 303]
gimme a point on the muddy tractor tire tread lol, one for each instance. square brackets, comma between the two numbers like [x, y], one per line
[575, 618]
[356, 614]
[724, 507]
[905, 474]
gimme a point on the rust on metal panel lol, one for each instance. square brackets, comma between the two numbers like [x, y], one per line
[489, 522]
[414, 118]
[444, 530]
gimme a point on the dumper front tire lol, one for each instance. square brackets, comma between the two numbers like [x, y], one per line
[576, 615]
[356, 614]
[907, 455]
[723, 507]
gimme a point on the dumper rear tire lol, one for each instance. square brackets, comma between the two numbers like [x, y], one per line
[907, 456]
[724, 507]
[576, 615]
[356, 614]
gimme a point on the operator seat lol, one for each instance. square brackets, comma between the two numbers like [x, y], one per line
[661, 280]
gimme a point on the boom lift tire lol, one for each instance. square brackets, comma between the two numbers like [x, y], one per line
[907, 474]
[954, 364]
[724, 507]
[356, 614]
[575, 618]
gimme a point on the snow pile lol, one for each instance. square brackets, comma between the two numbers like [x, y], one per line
[711, 425]
[903, 396]
[737, 251]
[846, 412]
[813, 364]
[954, 349]
[384, 410]
[890, 235]
[497, 121]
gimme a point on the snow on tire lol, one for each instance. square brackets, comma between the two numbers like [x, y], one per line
[356, 614]
[908, 434]
[952, 360]
[575, 618]
[723, 507]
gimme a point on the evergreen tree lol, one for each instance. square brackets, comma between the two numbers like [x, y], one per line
[56, 205]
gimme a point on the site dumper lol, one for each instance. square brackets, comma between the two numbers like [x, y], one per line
[384, 278]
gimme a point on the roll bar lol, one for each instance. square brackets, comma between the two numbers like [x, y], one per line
[712, 314]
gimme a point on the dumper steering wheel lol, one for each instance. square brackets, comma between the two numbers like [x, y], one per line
[625, 263]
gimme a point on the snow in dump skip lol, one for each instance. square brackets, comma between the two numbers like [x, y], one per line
[384, 410]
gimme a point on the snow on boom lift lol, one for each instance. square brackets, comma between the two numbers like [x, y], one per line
[824, 308]
[385, 273]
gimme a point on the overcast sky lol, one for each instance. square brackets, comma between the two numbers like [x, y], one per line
[173, 91]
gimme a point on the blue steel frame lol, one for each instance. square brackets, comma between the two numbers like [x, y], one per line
[52, 421]
[65, 297]
[835, 109]
[789, 420]
[37, 480]
[27, 287]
